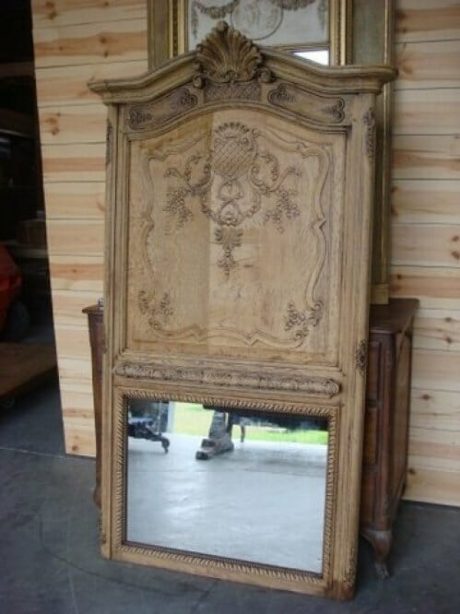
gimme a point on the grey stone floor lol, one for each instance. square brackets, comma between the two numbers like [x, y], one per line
[50, 564]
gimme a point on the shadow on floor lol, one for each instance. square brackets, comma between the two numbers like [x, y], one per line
[50, 562]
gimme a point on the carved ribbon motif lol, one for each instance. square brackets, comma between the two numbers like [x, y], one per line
[233, 165]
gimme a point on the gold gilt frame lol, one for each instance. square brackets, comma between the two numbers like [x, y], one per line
[360, 32]
[167, 22]
[226, 79]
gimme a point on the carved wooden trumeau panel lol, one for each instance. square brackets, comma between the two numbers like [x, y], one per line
[239, 186]
[235, 239]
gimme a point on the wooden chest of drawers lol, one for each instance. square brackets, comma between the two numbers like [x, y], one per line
[386, 422]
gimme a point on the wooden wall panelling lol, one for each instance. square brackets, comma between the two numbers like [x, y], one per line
[437, 287]
[432, 485]
[48, 13]
[76, 237]
[72, 162]
[435, 448]
[426, 245]
[435, 409]
[90, 43]
[436, 370]
[73, 124]
[428, 65]
[61, 85]
[427, 202]
[70, 200]
[426, 237]
[427, 20]
[68, 304]
[431, 112]
[76, 41]
[438, 329]
[73, 340]
[77, 272]
[426, 157]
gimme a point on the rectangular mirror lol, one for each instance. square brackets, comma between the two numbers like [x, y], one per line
[238, 484]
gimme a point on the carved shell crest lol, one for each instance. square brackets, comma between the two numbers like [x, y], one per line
[226, 56]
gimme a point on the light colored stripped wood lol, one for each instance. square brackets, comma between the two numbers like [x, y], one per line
[91, 43]
[427, 20]
[74, 237]
[435, 409]
[66, 200]
[432, 111]
[77, 272]
[425, 202]
[437, 329]
[433, 485]
[62, 85]
[437, 288]
[75, 373]
[73, 124]
[435, 449]
[80, 440]
[54, 13]
[426, 157]
[68, 305]
[431, 65]
[426, 245]
[73, 342]
[436, 370]
[69, 162]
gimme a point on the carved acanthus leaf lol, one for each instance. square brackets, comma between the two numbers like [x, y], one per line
[226, 56]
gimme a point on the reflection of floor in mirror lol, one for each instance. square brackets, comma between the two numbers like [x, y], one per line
[262, 502]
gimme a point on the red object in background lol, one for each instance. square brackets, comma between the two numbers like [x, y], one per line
[10, 283]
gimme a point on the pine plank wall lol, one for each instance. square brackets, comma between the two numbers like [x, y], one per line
[76, 40]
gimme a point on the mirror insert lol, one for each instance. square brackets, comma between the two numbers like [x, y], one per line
[234, 483]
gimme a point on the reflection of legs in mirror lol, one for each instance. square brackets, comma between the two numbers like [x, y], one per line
[219, 439]
[147, 421]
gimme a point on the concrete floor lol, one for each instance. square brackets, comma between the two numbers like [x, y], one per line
[50, 563]
[210, 506]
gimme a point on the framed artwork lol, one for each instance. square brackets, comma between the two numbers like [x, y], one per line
[281, 23]
[177, 26]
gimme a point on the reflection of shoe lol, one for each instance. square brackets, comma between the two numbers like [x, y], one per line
[212, 447]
